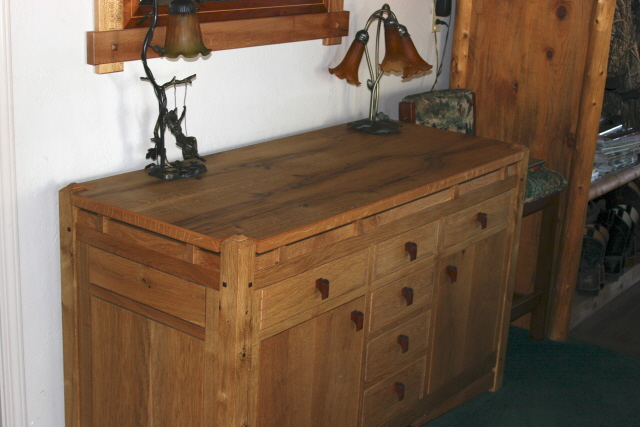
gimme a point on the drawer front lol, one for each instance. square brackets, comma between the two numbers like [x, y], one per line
[398, 345]
[313, 288]
[406, 248]
[393, 394]
[401, 297]
[469, 222]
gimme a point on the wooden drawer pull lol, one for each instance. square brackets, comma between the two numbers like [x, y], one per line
[452, 272]
[412, 249]
[398, 387]
[407, 293]
[323, 286]
[403, 340]
[482, 217]
[358, 318]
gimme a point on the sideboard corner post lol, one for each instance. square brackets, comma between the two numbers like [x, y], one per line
[229, 337]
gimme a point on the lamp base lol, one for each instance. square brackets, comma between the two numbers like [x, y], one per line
[382, 125]
[177, 170]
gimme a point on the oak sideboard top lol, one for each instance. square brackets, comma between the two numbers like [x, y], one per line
[287, 189]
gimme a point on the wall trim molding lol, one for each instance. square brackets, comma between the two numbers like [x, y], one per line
[13, 407]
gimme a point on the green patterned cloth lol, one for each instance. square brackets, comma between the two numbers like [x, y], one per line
[543, 182]
[449, 109]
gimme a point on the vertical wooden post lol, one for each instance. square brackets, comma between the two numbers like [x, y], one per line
[333, 6]
[70, 308]
[581, 165]
[460, 55]
[108, 16]
[229, 337]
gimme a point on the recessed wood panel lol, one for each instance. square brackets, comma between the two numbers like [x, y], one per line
[301, 383]
[143, 373]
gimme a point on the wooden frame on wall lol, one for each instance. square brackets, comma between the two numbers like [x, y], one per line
[249, 25]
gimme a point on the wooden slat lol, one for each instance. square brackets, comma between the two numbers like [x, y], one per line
[148, 286]
[386, 217]
[105, 47]
[316, 242]
[524, 303]
[145, 238]
[195, 273]
[480, 182]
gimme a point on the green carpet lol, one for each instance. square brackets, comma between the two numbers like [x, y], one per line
[562, 384]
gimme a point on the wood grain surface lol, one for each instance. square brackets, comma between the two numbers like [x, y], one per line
[285, 190]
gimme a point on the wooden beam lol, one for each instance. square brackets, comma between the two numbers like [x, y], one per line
[581, 166]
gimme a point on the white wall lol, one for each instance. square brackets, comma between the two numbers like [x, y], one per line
[72, 125]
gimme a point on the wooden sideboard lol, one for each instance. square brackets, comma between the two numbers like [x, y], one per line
[332, 278]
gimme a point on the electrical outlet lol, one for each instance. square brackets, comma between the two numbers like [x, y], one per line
[435, 28]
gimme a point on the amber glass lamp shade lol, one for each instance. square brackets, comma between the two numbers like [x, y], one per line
[184, 36]
[348, 68]
[394, 53]
[415, 63]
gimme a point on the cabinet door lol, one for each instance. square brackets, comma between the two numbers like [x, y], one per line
[310, 374]
[469, 304]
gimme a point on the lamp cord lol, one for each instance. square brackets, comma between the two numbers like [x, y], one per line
[444, 49]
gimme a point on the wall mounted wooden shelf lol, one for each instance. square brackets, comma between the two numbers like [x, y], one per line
[111, 45]
[105, 47]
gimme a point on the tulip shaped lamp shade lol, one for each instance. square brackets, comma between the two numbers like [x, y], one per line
[183, 37]
[400, 56]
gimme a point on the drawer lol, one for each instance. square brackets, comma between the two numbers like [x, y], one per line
[313, 288]
[469, 222]
[392, 395]
[408, 247]
[401, 297]
[397, 345]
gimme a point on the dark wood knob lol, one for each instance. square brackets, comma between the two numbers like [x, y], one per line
[452, 272]
[358, 318]
[403, 340]
[407, 293]
[412, 249]
[398, 387]
[482, 217]
[323, 286]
